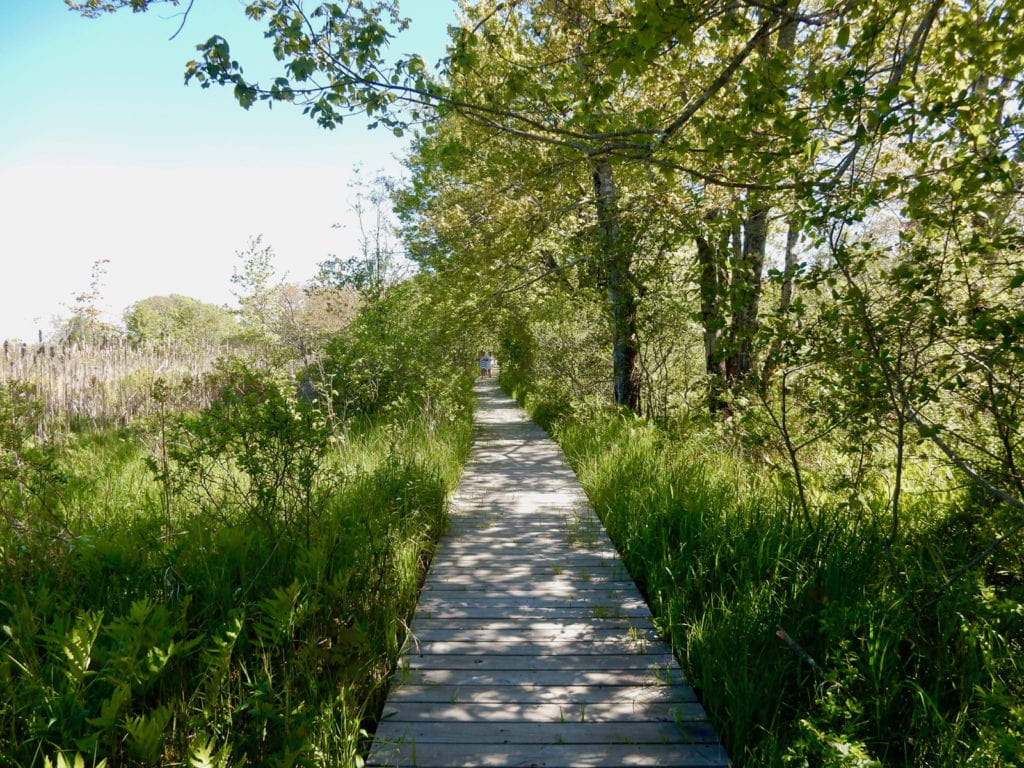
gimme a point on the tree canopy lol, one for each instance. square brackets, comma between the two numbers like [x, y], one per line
[179, 318]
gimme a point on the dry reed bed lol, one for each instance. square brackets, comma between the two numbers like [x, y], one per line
[112, 381]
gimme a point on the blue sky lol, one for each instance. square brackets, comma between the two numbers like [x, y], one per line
[106, 154]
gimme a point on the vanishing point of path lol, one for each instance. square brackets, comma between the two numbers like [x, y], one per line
[531, 645]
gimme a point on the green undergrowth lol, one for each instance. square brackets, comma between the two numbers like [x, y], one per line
[805, 648]
[223, 589]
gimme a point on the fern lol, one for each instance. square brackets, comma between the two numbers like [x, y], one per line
[111, 708]
[205, 754]
[279, 616]
[147, 734]
[76, 762]
[77, 646]
[216, 661]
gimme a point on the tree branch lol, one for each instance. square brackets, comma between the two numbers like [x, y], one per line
[718, 83]
[184, 18]
[540, 277]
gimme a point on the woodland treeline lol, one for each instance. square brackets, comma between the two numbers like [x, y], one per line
[757, 265]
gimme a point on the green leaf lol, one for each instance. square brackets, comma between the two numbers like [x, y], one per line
[843, 36]
[77, 646]
[145, 734]
[302, 68]
[245, 94]
[110, 709]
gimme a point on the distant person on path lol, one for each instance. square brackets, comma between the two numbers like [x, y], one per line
[485, 364]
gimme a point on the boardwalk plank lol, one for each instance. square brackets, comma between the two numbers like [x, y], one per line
[505, 663]
[535, 625]
[507, 632]
[532, 649]
[607, 677]
[546, 582]
[607, 711]
[536, 733]
[569, 612]
[525, 692]
[531, 644]
[488, 753]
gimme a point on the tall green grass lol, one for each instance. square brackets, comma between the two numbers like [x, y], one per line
[148, 621]
[879, 671]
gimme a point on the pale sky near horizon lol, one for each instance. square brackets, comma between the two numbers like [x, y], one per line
[106, 154]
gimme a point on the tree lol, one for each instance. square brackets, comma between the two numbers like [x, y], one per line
[635, 162]
[732, 115]
[256, 291]
[180, 319]
[342, 41]
[379, 262]
[287, 321]
[308, 316]
[344, 44]
[86, 324]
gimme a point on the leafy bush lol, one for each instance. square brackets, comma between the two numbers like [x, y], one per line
[257, 451]
[554, 363]
[25, 461]
[394, 356]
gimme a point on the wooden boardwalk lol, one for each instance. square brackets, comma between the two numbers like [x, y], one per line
[531, 646]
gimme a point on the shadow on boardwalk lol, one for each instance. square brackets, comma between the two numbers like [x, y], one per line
[530, 645]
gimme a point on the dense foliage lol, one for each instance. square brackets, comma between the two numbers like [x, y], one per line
[179, 318]
[789, 235]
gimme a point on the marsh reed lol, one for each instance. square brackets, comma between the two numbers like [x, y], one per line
[110, 381]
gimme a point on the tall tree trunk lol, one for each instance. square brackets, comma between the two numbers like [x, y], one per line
[621, 291]
[748, 270]
[745, 295]
[789, 270]
[711, 279]
[772, 359]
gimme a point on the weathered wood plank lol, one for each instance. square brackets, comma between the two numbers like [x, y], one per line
[546, 581]
[459, 579]
[551, 647]
[581, 577]
[490, 693]
[543, 712]
[530, 624]
[440, 631]
[628, 604]
[529, 663]
[515, 559]
[551, 755]
[545, 733]
[539, 599]
[545, 596]
[664, 676]
[575, 611]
